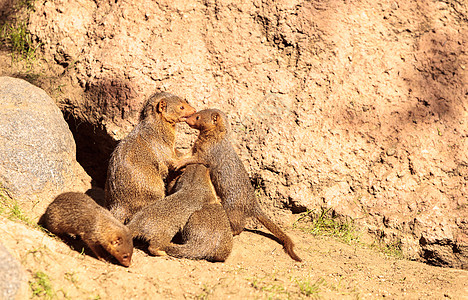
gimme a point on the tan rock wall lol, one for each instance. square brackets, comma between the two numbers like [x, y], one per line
[356, 105]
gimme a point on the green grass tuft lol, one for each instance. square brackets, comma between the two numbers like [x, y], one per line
[28, 4]
[310, 289]
[393, 249]
[41, 286]
[325, 223]
[14, 33]
[19, 39]
[270, 288]
[206, 291]
[11, 209]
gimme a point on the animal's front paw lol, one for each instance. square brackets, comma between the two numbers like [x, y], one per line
[179, 164]
[156, 251]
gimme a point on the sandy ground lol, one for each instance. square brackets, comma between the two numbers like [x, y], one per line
[257, 269]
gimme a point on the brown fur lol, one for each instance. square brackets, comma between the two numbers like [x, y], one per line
[141, 162]
[213, 148]
[77, 214]
[207, 233]
[159, 222]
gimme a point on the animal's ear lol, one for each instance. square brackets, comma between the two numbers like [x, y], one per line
[215, 117]
[146, 111]
[162, 106]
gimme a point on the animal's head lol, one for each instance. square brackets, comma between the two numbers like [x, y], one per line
[121, 246]
[169, 107]
[209, 120]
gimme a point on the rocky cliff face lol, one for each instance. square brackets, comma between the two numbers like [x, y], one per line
[356, 106]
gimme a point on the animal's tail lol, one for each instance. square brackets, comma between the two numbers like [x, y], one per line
[288, 244]
[196, 251]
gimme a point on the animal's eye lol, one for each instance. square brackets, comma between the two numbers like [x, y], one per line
[117, 241]
[182, 107]
[198, 118]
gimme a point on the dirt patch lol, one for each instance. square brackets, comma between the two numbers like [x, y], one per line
[257, 268]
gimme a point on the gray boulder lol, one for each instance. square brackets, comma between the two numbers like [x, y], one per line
[37, 150]
[13, 282]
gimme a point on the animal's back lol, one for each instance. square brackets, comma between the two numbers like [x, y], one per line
[208, 235]
[230, 178]
[72, 213]
[135, 176]
[160, 221]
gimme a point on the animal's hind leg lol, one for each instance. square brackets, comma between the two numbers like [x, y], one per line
[237, 221]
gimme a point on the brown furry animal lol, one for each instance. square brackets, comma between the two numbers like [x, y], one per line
[140, 163]
[213, 148]
[207, 233]
[159, 222]
[77, 214]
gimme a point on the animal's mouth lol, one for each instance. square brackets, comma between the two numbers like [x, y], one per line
[126, 261]
[185, 117]
[191, 121]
